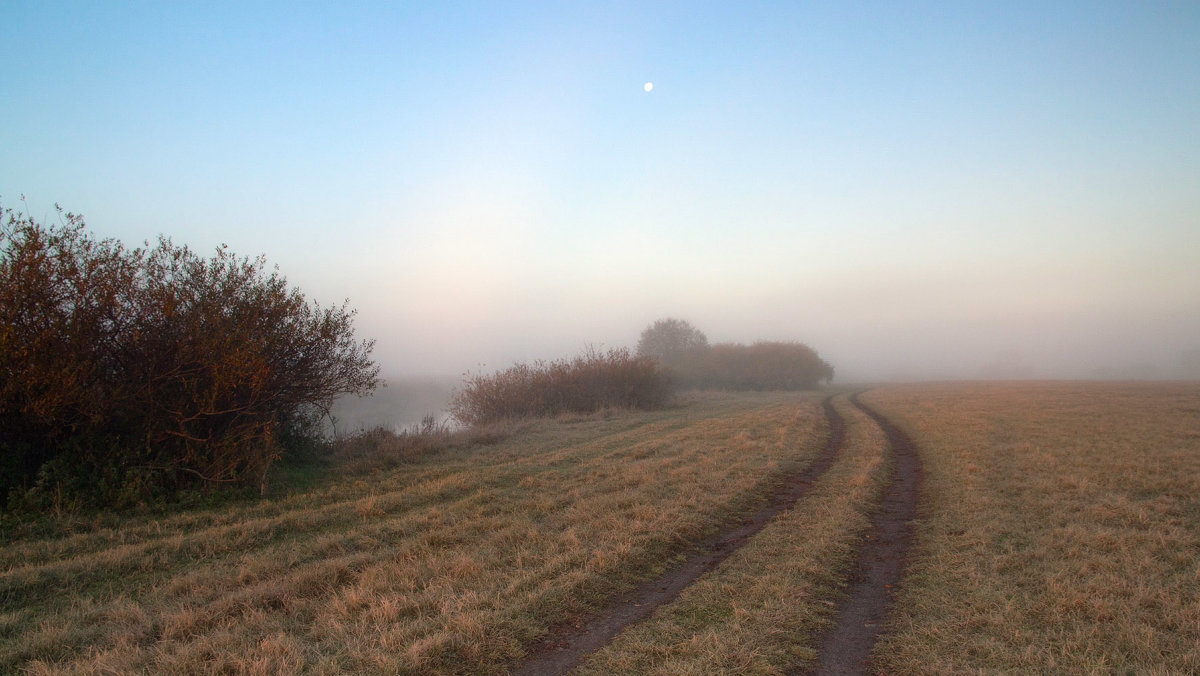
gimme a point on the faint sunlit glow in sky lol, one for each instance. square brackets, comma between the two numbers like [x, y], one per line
[916, 190]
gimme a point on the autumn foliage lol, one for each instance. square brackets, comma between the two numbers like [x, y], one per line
[587, 383]
[127, 371]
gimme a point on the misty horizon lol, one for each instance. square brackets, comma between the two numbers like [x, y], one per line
[929, 192]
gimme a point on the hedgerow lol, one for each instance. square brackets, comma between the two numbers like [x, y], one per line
[684, 351]
[760, 366]
[585, 384]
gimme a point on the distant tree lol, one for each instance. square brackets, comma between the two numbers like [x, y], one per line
[671, 341]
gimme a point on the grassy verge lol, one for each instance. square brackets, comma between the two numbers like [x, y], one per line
[449, 565]
[1061, 533]
[762, 611]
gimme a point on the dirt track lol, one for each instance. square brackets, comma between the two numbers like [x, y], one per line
[567, 645]
[845, 649]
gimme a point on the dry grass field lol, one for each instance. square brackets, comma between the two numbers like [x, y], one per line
[1060, 530]
[763, 611]
[451, 565]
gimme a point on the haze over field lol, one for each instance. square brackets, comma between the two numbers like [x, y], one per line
[915, 190]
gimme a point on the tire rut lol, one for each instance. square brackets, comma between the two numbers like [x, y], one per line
[860, 618]
[567, 645]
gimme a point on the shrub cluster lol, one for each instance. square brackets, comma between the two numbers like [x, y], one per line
[383, 447]
[761, 366]
[127, 371]
[585, 384]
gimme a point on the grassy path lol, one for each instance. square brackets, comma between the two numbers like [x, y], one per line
[861, 617]
[570, 643]
[764, 609]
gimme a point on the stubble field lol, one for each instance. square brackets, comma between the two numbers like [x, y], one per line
[1057, 529]
[1060, 529]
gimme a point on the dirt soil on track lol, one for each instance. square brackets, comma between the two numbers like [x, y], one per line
[567, 645]
[846, 648]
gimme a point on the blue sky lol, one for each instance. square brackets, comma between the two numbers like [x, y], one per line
[914, 189]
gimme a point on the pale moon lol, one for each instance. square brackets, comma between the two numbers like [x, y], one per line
[648, 86]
